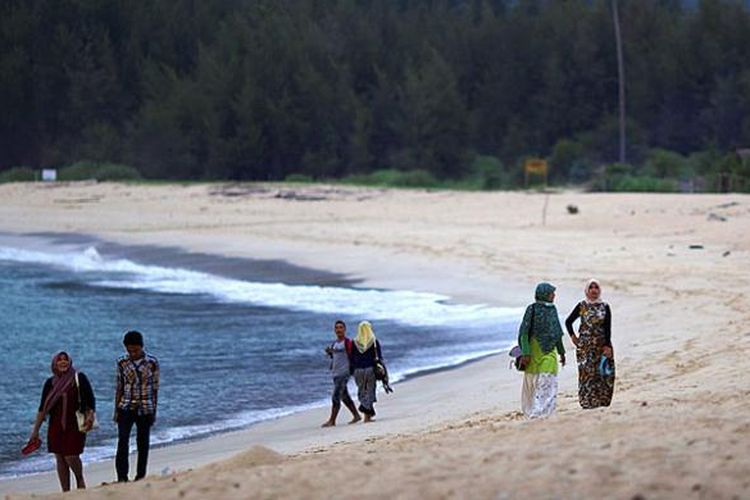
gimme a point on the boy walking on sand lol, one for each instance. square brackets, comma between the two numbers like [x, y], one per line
[136, 393]
[339, 353]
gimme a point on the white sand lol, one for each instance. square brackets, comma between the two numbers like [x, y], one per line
[678, 426]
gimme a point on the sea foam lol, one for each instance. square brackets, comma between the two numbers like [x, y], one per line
[407, 307]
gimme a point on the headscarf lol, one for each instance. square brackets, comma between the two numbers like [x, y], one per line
[60, 384]
[544, 292]
[365, 336]
[546, 324]
[586, 291]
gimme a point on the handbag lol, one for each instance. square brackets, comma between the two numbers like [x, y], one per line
[81, 416]
[381, 372]
[516, 352]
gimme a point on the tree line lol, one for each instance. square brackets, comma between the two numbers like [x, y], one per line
[262, 89]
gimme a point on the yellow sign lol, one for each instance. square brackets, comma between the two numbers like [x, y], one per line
[536, 166]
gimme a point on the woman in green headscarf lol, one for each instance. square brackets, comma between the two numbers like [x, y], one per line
[540, 338]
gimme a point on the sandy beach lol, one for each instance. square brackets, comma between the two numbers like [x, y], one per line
[675, 269]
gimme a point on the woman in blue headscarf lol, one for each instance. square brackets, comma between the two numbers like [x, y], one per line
[540, 338]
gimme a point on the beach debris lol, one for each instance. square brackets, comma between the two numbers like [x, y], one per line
[311, 193]
[643, 403]
[294, 195]
[572, 209]
[91, 199]
[728, 205]
[726, 254]
[235, 190]
[713, 216]
[696, 247]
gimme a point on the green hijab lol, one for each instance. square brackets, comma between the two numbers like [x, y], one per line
[545, 326]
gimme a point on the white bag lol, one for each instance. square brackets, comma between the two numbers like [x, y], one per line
[81, 416]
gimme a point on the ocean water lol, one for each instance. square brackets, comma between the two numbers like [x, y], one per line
[239, 341]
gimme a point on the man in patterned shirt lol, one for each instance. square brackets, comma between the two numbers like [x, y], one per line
[136, 389]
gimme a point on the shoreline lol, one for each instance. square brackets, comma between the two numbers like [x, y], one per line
[300, 433]
[311, 408]
[673, 272]
[46, 481]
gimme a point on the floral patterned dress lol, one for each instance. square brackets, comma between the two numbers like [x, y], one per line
[595, 386]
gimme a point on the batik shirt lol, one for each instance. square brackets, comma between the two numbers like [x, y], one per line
[137, 381]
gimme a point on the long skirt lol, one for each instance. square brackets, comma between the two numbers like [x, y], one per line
[539, 394]
[365, 379]
[69, 441]
[594, 388]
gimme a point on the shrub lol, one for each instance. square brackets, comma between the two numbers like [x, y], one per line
[618, 169]
[565, 156]
[79, 171]
[704, 162]
[87, 170]
[116, 172]
[489, 173]
[643, 183]
[664, 163]
[18, 174]
[300, 178]
[415, 178]
[580, 172]
[385, 177]
[394, 178]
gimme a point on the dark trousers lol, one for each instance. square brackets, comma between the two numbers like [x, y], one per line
[125, 421]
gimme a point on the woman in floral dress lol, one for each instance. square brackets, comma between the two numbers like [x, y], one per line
[596, 363]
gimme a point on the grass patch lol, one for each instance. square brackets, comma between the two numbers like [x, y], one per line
[394, 178]
[18, 174]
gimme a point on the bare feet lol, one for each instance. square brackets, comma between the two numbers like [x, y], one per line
[368, 419]
[329, 424]
[355, 419]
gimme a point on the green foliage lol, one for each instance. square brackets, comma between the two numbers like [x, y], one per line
[565, 155]
[489, 173]
[18, 174]
[643, 183]
[298, 178]
[614, 170]
[86, 170]
[394, 178]
[116, 172]
[262, 90]
[704, 162]
[663, 163]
